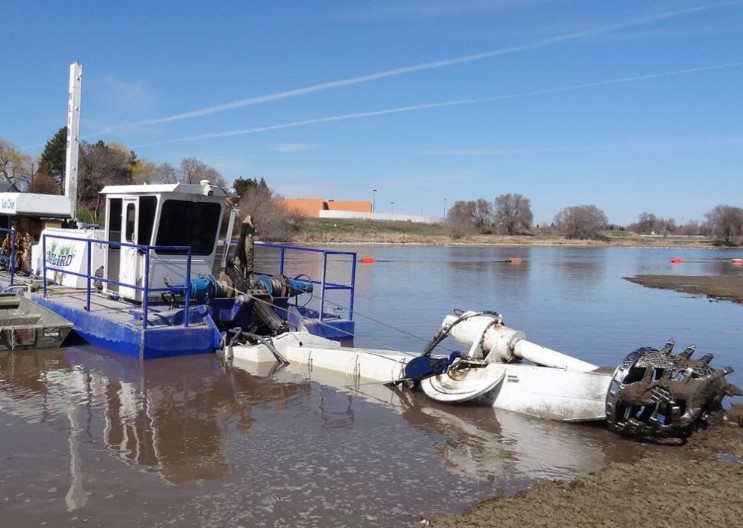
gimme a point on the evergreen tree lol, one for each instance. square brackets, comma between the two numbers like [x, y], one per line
[243, 185]
[52, 161]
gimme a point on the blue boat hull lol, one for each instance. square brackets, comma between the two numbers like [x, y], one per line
[123, 332]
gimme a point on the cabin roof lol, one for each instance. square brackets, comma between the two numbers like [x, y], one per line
[204, 188]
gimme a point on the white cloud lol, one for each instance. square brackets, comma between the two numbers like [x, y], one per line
[412, 108]
[438, 8]
[635, 145]
[508, 50]
[484, 152]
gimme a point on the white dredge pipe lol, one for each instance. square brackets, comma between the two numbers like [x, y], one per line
[487, 337]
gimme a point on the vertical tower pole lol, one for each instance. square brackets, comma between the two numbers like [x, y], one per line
[73, 136]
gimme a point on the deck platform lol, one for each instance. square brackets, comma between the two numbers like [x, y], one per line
[117, 325]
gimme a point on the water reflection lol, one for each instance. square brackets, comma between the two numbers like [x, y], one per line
[165, 416]
[475, 442]
[657, 261]
[273, 442]
[483, 274]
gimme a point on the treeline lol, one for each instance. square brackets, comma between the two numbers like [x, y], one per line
[724, 223]
[511, 214]
[101, 164]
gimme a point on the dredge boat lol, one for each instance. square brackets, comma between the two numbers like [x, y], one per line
[144, 286]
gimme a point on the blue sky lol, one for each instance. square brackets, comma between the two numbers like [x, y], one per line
[633, 106]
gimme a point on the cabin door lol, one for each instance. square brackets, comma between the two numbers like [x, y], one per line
[131, 259]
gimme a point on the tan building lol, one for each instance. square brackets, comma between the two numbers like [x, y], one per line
[313, 206]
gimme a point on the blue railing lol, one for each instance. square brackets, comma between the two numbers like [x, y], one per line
[323, 282]
[11, 257]
[145, 288]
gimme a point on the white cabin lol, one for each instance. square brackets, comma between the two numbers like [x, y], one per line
[160, 215]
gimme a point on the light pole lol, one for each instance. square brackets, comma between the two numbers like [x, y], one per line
[374, 198]
[445, 207]
[392, 207]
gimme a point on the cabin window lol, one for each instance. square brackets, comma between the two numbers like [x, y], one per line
[131, 216]
[186, 223]
[114, 220]
[147, 207]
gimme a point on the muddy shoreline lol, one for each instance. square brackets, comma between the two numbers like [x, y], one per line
[391, 238]
[680, 486]
[725, 288]
[692, 485]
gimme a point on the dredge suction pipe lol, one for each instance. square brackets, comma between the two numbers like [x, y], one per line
[490, 340]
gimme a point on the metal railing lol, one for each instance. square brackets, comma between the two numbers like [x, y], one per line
[11, 258]
[323, 282]
[146, 289]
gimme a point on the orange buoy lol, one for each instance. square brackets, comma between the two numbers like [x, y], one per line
[513, 260]
[737, 261]
[368, 260]
[677, 260]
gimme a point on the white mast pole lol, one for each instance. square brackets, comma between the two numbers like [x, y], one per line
[73, 136]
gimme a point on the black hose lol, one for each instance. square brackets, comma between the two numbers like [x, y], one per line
[444, 332]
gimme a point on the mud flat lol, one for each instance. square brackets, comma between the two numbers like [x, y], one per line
[679, 486]
[729, 288]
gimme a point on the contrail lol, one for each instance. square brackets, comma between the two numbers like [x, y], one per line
[542, 43]
[412, 108]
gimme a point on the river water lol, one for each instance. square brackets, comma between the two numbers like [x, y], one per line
[94, 439]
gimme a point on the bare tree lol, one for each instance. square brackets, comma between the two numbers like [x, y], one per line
[666, 226]
[193, 170]
[645, 225]
[581, 221]
[15, 167]
[190, 170]
[461, 218]
[649, 224]
[272, 220]
[725, 222]
[166, 173]
[513, 213]
[694, 228]
[483, 215]
[42, 183]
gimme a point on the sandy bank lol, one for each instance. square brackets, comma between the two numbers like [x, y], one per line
[721, 287]
[370, 238]
[694, 485]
